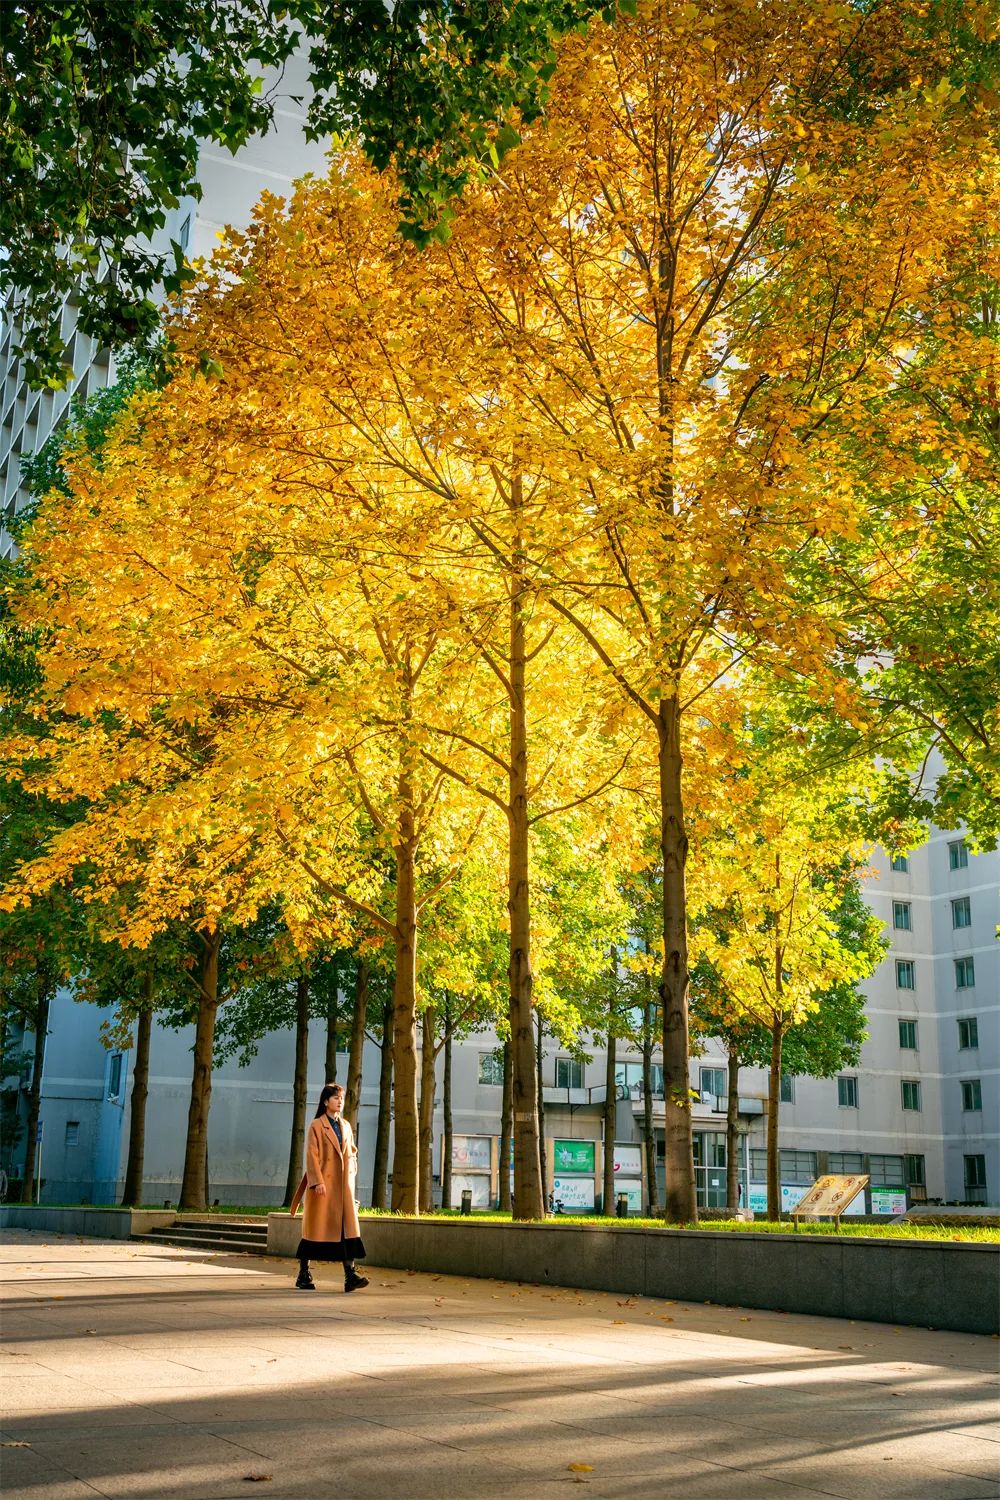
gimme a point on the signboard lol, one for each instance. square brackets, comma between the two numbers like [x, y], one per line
[829, 1196]
[628, 1160]
[790, 1195]
[471, 1153]
[575, 1156]
[479, 1186]
[574, 1195]
[889, 1201]
[632, 1191]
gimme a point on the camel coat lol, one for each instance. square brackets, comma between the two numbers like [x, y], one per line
[331, 1218]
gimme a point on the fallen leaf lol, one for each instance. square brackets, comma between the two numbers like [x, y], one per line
[618, 1322]
[580, 1468]
[257, 1478]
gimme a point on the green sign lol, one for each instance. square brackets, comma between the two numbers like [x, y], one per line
[574, 1156]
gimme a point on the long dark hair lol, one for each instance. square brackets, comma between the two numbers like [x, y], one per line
[331, 1088]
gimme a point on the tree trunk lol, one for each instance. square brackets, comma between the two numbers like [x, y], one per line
[300, 1084]
[529, 1180]
[35, 1093]
[332, 1027]
[610, 1114]
[648, 1133]
[681, 1206]
[732, 1134]
[384, 1110]
[194, 1183]
[541, 1116]
[428, 1087]
[355, 1061]
[506, 1129]
[406, 1137]
[135, 1161]
[773, 1102]
[448, 1125]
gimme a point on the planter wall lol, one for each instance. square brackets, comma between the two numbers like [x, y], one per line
[931, 1285]
[97, 1223]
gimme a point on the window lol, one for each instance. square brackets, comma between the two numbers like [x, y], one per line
[900, 864]
[714, 1081]
[793, 1166]
[910, 1092]
[901, 916]
[569, 1073]
[797, 1166]
[185, 235]
[972, 1094]
[968, 1033]
[72, 1132]
[905, 974]
[965, 973]
[958, 855]
[629, 1075]
[915, 1175]
[886, 1171]
[787, 1088]
[115, 1076]
[908, 1035]
[961, 912]
[847, 1092]
[844, 1163]
[975, 1171]
[975, 1179]
[491, 1068]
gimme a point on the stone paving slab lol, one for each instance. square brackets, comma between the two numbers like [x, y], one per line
[146, 1372]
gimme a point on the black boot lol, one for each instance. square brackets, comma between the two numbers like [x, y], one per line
[305, 1282]
[352, 1281]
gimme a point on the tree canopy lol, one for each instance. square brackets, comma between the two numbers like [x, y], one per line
[110, 104]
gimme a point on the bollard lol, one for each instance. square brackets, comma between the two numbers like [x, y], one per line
[466, 1201]
[621, 1206]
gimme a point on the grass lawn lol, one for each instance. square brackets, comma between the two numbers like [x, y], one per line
[982, 1234]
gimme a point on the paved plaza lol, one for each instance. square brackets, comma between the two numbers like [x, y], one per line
[145, 1371]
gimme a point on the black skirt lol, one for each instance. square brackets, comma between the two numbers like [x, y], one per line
[342, 1249]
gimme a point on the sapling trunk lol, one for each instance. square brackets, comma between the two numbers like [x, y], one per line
[194, 1182]
[732, 1133]
[381, 1163]
[300, 1084]
[135, 1160]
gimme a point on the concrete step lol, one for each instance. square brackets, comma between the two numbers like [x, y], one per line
[219, 1243]
[209, 1236]
[230, 1227]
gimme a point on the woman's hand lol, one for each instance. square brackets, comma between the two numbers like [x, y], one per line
[320, 1188]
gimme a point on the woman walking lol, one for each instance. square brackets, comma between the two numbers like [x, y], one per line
[330, 1228]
